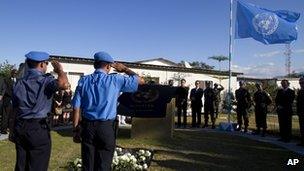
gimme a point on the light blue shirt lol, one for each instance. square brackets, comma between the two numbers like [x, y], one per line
[97, 94]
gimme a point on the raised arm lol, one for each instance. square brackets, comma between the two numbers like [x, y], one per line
[63, 82]
[119, 67]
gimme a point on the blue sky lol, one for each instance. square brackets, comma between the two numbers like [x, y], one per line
[132, 30]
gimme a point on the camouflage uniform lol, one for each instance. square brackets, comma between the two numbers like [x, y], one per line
[243, 104]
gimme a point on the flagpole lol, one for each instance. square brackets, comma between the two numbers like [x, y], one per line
[230, 74]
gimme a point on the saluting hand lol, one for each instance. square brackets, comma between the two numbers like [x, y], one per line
[119, 67]
[57, 66]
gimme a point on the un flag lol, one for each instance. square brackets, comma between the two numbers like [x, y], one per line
[266, 26]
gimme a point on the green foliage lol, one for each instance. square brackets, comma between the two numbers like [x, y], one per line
[202, 65]
[6, 68]
[219, 58]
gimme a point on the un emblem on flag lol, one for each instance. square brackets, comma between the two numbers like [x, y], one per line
[265, 23]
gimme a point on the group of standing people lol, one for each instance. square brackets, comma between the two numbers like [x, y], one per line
[62, 107]
[261, 100]
[211, 103]
[6, 94]
[284, 101]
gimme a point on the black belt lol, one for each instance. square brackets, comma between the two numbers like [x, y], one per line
[96, 122]
[33, 120]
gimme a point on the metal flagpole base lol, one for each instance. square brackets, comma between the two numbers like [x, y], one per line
[226, 126]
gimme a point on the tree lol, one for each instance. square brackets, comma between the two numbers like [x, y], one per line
[5, 69]
[219, 58]
[201, 65]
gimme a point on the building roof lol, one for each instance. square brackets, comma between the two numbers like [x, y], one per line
[158, 59]
[79, 60]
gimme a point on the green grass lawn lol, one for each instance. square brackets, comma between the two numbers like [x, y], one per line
[188, 150]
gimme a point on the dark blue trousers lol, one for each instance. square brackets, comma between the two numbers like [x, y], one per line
[97, 145]
[33, 145]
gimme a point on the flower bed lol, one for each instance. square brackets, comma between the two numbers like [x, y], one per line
[123, 159]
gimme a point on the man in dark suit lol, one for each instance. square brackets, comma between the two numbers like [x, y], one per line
[300, 109]
[196, 95]
[284, 100]
[261, 100]
[181, 103]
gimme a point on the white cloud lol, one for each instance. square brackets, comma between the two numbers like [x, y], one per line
[268, 54]
[299, 51]
[277, 52]
[267, 70]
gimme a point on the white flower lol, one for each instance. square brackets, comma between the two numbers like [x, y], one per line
[145, 166]
[139, 167]
[147, 153]
[128, 154]
[133, 159]
[142, 158]
[141, 152]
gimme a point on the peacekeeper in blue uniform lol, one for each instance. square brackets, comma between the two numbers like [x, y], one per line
[96, 99]
[32, 101]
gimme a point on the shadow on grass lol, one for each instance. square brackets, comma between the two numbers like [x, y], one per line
[201, 150]
[65, 132]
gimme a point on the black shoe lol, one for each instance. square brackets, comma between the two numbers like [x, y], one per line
[205, 126]
[213, 127]
[256, 133]
[246, 129]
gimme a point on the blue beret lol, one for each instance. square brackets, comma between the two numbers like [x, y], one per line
[103, 56]
[37, 56]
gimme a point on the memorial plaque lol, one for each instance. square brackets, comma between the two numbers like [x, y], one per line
[150, 101]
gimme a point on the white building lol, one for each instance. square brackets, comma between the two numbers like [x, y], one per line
[160, 70]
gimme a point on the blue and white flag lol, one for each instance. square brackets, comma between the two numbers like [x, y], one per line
[266, 26]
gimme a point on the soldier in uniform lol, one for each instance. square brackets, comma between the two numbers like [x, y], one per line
[209, 97]
[217, 101]
[196, 95]
[243, 104]
[284, 100]
[32, 101]
[300, 109]
[181, 103]
[7, 107]
[96, 97]
[261, 100]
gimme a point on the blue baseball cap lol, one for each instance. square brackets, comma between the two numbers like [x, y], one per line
[103, 56]
[37, 56]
